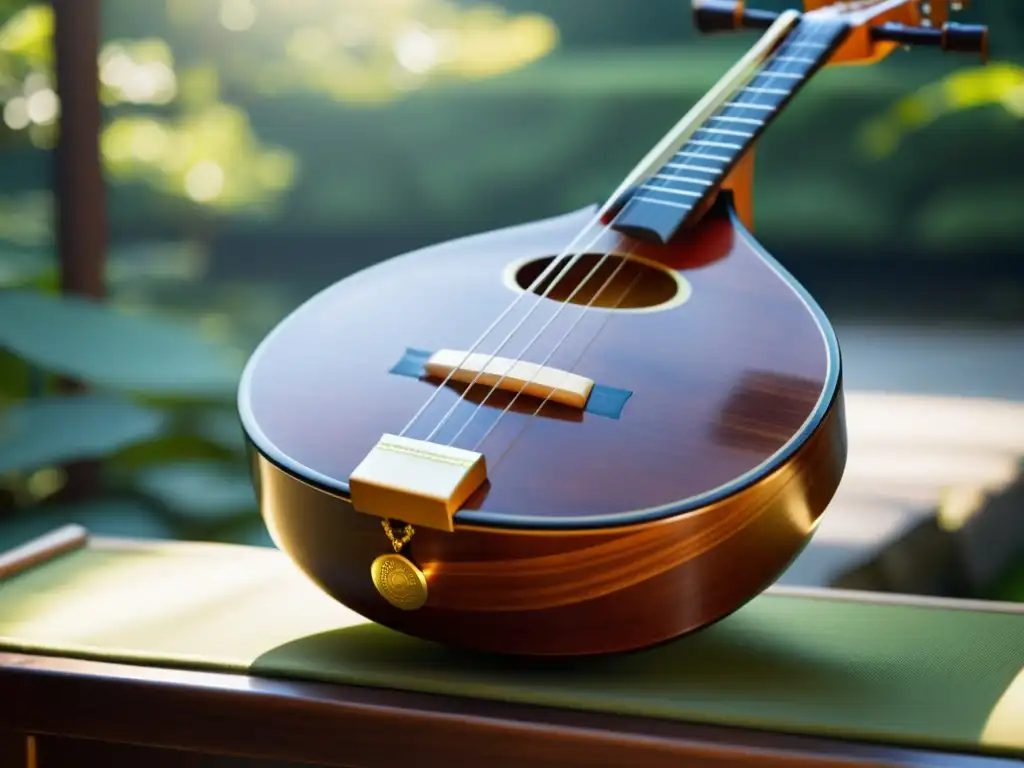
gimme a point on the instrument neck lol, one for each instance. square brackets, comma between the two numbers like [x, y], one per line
[670, 196]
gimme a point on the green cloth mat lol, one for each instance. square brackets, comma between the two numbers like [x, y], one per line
[925, 676]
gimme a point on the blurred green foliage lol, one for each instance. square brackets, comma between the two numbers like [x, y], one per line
[296, 117]
[160, 415]
[431, 116]
[1000, 85]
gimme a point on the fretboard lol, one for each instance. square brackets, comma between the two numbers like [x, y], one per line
[665, 201]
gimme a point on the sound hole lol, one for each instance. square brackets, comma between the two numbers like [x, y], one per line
[618, 283]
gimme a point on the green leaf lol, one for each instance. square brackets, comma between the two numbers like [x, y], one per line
[87, 341]
[19, 266]
[222, 428]
[14, 379]
[102, 518]
[29, 34]
[200, 490]
[26, 220]
[168, 448]
[155, 262]
[250, 531]
[45, 431]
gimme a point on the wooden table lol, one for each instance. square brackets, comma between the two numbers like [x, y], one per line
[58, 711]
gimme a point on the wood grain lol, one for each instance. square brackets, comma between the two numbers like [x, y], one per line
[206, 714]
[721, 384]
[41, 549]
[320, 393]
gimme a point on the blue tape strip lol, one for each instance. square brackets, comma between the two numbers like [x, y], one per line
[603, 401]
[412, 363]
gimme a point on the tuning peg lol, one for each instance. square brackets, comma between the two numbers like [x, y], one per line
[711, 16]
[965, 38]
[951, 37]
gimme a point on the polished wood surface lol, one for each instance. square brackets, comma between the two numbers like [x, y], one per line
[721, 383]
[592, 534]
[81, 712]
[318, 415]
[577, 592]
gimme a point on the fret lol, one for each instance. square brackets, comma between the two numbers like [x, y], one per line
[771, 91]
[787, 75]
[751, 105]
[795, 59]
[671, 191]
[703, 156]
[656, 201]
[683, 179]
[726, 132]
[688, 167]
[731, 119]
[721, 144]
[676, 188]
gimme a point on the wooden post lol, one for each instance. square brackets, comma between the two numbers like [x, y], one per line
[79, 192]
[81, 209]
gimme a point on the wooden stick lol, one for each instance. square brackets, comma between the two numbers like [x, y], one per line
[80, 195]
[41, 549]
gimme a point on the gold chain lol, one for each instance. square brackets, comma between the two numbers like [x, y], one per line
[397, 541]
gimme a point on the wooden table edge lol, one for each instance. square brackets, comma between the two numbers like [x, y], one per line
[241, 715]
[42, 550]
[185, 709]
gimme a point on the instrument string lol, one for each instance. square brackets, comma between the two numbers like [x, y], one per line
[483, 368]
[622, 262]
[537, 303]
[800, 37]
[540, 299]
[483, 337]
[597, 332]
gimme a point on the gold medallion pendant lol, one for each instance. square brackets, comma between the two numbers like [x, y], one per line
[396, 578]
[399, 582]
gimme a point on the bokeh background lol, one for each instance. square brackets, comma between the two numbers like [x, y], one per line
[254, 151]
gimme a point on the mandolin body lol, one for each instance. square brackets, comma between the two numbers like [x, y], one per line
[596, 531]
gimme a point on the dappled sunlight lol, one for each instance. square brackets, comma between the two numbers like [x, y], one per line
[1000, 84]
[210, 156]
[372, 52]
[1003, 727]
[488, 47]
[170, 603]
[25, 38]
[137, 72]
[913, 456]
[30, 103]
[37, 104]
[207, 153]
[948, 453]
[237, 15]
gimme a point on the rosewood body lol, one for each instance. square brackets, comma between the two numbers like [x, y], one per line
[593, 534]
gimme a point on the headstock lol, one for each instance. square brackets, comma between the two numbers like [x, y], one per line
[877, 26]
[925, 13]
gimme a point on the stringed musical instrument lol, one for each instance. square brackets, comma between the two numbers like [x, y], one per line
[587, 434]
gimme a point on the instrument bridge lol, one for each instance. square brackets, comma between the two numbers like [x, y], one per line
[417, 481]
[425, 483]
[509, 375]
